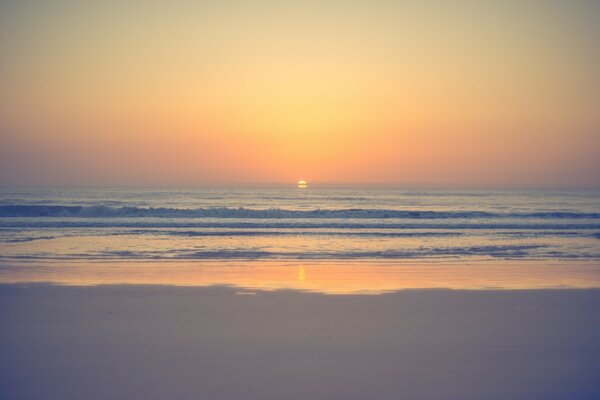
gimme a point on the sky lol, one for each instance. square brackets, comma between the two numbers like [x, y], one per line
[447, 93]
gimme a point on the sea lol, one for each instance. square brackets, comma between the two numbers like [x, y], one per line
[42, 230]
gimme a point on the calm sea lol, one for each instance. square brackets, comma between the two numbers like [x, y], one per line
[290, 223]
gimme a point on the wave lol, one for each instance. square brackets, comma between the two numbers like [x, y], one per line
[297, 224]
[293, 233]
[310, 233]
[28, 239]
[493, 251]
[505, 252]
[516, 251]
[102, 211]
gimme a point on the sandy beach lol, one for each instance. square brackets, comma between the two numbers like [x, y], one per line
[165, 342]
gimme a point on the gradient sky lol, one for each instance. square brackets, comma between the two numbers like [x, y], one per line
[224, 92]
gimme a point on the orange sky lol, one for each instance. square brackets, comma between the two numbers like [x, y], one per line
[223, 92]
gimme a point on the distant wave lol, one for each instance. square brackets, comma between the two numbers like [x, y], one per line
[101, 211]
[290, 224]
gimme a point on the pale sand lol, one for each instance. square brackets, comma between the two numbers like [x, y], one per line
[161, 342]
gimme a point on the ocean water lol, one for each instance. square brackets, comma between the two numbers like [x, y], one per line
[287, 223]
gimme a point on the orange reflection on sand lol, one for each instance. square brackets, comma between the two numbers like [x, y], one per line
[321, 277]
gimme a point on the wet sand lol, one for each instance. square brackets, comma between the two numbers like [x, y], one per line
[166, 342]
[324, 276]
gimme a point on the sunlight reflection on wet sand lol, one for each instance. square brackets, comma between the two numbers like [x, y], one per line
[321, 277]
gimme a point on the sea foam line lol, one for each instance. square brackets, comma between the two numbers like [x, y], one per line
[26, 211]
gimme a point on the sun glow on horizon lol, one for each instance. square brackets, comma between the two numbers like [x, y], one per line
[460, 93]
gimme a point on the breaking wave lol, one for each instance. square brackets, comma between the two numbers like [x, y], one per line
[25, 211]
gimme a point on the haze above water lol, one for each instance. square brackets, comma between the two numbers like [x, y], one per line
[458, 93]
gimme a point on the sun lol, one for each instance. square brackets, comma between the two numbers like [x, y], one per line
[302, 184]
